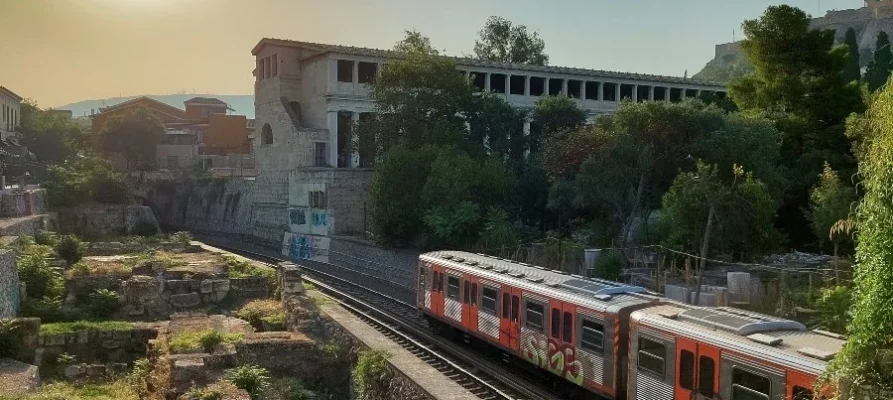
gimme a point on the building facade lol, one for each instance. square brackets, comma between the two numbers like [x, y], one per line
[309, 95]
[201, 134]
[10, 112]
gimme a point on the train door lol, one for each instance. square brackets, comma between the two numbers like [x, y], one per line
[469, 304]
[424, 286]
[510, 321]
[437, 278]
[697, 371]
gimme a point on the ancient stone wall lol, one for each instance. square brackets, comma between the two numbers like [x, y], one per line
[89, 346]
[19, 203]
[9, 284]
[98, 220]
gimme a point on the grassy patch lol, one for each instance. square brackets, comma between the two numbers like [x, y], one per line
[118, 390]
[258, 311]
[197, 341]
[61, 328]
[237, 268]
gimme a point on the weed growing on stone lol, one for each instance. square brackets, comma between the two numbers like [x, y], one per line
[62, 328]
[250, 378]
[371, 376]
[258, 311]
[308, 285]
[197, 341]
[237, 268]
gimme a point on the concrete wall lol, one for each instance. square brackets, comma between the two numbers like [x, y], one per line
[18, 203]
[9, 284]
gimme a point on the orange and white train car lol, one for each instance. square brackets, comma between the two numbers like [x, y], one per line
[620, 341]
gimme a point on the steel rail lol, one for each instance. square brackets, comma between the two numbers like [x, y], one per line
[403, 327]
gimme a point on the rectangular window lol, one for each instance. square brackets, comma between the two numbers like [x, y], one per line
[517, 84]
[568, 328]
[505, 306]
[593, 337]
[609, 91]
[488, 300]
[367, 72]
[592, 90]
[687, 370]
[747, 385]
[317, 199]
[440, 282]
[556, 323]
[479, 79]
[453, 287]
[434, 281]
[535, 316]
[706, 375]
[802, 393]
[574, 88]
[467, 290]
[474, 294]
[497, 83]
[556, 85]
[260, 69]
[319, 155]
[537, 85]
[515, 309]
[345, 71]
[651, 356]
[267, 69]
[275, 64]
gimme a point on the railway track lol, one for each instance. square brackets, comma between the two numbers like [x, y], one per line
[481, 375]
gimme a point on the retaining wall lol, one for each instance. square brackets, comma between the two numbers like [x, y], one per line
[99, 220]
[9, 285]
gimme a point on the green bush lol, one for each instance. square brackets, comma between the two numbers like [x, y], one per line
[610, 265]
[140, 377]
[237, 268]
[10, 340]
[291, 389]
[85, 180]
[69, 248]
[202, 394]
[42, 280]
[45, 238]
[48, 310]
[102, 303]
[257, 311]
[250, 378]
[371, 376]
[834, 308]
[182, 237]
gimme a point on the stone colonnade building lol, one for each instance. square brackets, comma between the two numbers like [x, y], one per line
[308, 95]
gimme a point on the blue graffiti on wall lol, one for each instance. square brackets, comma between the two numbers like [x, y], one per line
[300, 248]
[297, 217]
[319, 218]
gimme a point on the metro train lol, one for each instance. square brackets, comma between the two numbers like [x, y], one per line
[621, 342]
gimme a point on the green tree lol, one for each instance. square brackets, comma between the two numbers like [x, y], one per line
[50, 137]
[853, 69]
[867, 358]
[708, 213]
[880, 67]
[830, 201]
[503, 42]
[395, 209]
[416, 43]
[796, 69]
[135, 136]
[552, 115]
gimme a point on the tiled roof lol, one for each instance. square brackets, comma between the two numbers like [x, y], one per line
[176, 112]
[472, 62]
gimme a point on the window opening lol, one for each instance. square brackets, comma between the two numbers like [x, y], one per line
[706, 373]
[535, 316]
[687, 370]
[651, 356]
[453, 287]
[488, 300]
[556, 323]
[568, 327]
[747, 385]
[345, 71]
[593, 336]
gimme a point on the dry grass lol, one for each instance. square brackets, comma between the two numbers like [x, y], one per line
[117, 390]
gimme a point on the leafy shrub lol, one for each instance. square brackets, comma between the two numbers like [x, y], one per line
[87, 179]
[45, 238]
[145, 229]
[69, 248]
[250, 378]
[195, 341]
[202, 394]
[10, 340]
[42, 280]
[291, 389]
[140, 377]
[102, 303]
[182, 237]
[834, 308]
[255, 312]
[371, 376]
[48, 310]
[276, 319]
[610, 265]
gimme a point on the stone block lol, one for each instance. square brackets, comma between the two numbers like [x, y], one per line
[221, 285]
[187, 300]
[207, 286]
[96, 370]
[178, 286]
[135, 309]
[678, 293]
[119, 368]
[75, 371]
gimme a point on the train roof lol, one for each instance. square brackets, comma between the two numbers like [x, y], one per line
[596, 294]
[777, 340]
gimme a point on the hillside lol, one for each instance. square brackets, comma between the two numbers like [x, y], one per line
[243, 104]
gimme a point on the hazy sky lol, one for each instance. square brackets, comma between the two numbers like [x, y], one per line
[61, 51]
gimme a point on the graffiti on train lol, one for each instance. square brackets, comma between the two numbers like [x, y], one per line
[560, 358]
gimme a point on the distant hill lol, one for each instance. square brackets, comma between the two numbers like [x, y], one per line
[243, 104]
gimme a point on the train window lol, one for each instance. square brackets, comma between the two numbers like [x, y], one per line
[505, 305]
[706, 375]
[440, 283]
[651, 356]
[467, 292]
[535, 316]
[474, 294]
[488, 301]
[556, 323]
[802, 393]
[434, 281]
[568, 327]
[687, 370]
[515, 309]
[593, 336]
[453, 287]
[747, 385]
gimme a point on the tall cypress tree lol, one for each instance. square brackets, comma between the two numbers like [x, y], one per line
[879, 69]
[853, 71]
